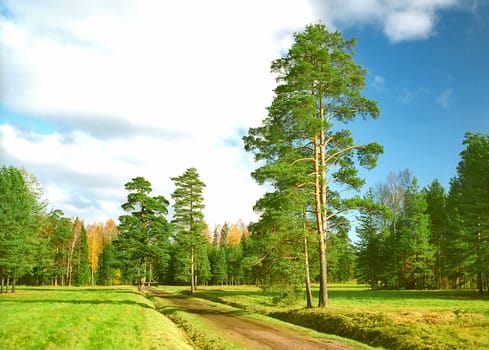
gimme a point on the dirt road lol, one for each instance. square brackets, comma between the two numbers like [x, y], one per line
[251, 333]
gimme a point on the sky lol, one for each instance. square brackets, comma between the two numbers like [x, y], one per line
[94, 93]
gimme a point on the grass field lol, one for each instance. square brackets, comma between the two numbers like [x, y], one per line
[84, 318]
[120, 318]
[391, 319]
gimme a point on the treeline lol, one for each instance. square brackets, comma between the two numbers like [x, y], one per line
[428, 238]
[408, 238]
[40, 247]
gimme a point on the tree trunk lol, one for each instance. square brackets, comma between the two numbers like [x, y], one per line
[192, 270]
[141, 283]
[13, 283]
[308, 277]
[320, 207]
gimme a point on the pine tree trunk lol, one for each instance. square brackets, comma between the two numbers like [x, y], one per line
[308, 277]
[13, 283]
[192, 270]
[320, 203]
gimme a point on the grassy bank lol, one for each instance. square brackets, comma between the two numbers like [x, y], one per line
[84, 318]
[391, 319]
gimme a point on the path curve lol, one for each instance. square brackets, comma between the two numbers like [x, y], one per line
[254, 334]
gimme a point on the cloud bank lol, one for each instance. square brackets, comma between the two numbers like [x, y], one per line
[149, 88]
[398, 19]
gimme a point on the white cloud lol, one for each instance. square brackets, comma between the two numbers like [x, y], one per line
[140, 88]
[405, 25]
[400, 20]
[379, 82]
[445, 99]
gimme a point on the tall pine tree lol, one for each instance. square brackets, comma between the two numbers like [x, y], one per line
[318, 90]
[143, 232]
[191, 254]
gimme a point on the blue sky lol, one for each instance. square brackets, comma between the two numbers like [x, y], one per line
[430, 92]
[96, 93]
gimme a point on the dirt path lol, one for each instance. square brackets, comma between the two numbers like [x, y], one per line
[251, 333]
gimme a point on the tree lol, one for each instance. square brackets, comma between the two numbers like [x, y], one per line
[107, 260]
[391, 196]
[416, 249]
[189, 225]
[471, 188]
[370, 244]
[60, 235]
[438, 221]
[143, 232]
[95, 242]
[318, 90]
[76, 229]
[82, 260]
[19, 208]
[219, 265]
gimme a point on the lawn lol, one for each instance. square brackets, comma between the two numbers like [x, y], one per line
[392, 319]
[84, 318]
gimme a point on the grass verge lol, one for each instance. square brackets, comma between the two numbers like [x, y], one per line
[84, 318]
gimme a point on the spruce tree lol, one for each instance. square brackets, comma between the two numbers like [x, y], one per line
[472, 184]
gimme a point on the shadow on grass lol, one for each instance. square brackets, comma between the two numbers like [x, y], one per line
[384, 295]
[75, 302]
[80, 289]
[264, 298]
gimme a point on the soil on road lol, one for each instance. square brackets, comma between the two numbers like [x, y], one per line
[251, 333]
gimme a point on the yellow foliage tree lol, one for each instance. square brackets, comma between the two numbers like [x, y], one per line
[95, 233]
[234, 235]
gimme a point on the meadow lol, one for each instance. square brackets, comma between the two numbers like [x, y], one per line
[121, 318]
[84, 318]
[390, 319]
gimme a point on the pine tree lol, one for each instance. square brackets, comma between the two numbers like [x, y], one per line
[191, 258]
[318, 90]
[143, 233]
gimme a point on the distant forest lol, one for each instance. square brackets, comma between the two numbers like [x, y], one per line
[408, 238]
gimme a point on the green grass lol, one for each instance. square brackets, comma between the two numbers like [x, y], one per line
[84, 318]
[392, 319]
